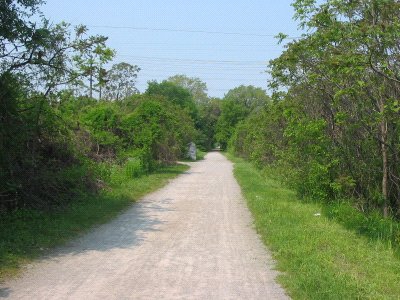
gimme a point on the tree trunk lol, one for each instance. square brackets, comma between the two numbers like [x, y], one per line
[385, 167]
[91, 86]
[91, 82]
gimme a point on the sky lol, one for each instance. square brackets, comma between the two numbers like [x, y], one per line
[224, 43]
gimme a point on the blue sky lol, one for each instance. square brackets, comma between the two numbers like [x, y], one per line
[224, 43]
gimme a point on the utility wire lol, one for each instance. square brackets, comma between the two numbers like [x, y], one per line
[188, 31]
[163, 59]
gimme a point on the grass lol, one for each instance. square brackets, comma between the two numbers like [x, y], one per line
[319, 258]
[200, 154]
[27, 234]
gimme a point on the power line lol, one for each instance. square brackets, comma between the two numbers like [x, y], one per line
[241, 71]
[238, 45]
[187, 31]
[163, 59]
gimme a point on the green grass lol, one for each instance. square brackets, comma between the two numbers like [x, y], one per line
[318, 257]
[27, 234]
[200, 154]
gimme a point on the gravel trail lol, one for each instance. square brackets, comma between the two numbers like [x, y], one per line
[193, 239]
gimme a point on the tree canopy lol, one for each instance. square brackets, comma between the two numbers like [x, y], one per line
[196, 87]
[238, 104]
[333, 127]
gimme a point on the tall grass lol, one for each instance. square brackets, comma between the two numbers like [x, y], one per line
[319, 258]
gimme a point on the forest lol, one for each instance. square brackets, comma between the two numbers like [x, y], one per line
[328, 127]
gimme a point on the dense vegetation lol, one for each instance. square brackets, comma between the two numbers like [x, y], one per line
[317, 256]
[78, 142]
[67, 120]
[74, 128]
[332, 126]
[330, 131]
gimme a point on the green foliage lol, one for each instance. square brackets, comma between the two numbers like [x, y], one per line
[10, 147]
[308, 151]
[133, 167]
[317, 247]
[34, 153]
[332, 129]
[238, 104]
[120, 81]
[160, 129]
[47, 132]
[175, 94]
[196, 87]
[260, 137]
[102, 121]
[208, 118]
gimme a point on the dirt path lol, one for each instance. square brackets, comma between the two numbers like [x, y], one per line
[192, 239]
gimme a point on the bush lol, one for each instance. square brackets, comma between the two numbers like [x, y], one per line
[370, 224]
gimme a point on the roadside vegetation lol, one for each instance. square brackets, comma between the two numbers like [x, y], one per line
[78, 142]
[318, 248]
[330, 128]
[322, 151]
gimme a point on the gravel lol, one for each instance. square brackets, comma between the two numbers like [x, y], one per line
[193, 239]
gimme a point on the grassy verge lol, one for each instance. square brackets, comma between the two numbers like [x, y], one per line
[319, 258]
[26, 234]
[200, 154]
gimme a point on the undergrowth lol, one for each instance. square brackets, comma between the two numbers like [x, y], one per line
[317, 250]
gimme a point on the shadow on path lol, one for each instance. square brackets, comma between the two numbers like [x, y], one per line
[4, 292]
[126, 231]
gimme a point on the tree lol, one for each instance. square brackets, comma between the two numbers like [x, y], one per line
[174, 94]
[237, 104]
[208, 117]
[36, 61]
[196, 87]
[120, 81]
[90, 59]
[159, 129]
[345, 72]
[16, 33]
[249, 97]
